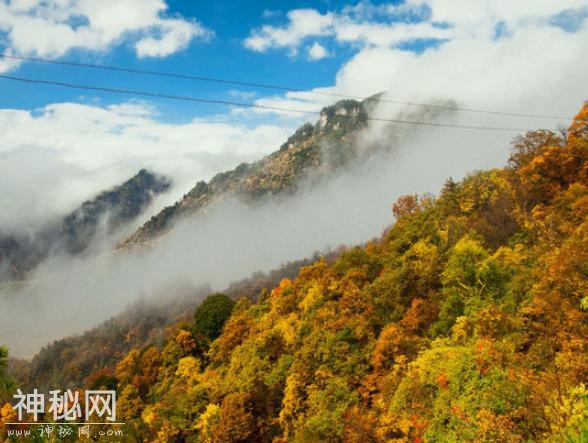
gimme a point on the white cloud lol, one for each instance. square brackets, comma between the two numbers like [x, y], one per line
[302, 23]
[537, 70]
[536, 67]
[317, 51]
[53, 158]
[6, 64]
[52, 28]
[390, 25]
[177, 35]
[377, 34]
[476, 11]
[355, 24]
[67, 295]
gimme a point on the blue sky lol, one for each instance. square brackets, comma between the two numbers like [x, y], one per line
[337, 30]
[223, 55]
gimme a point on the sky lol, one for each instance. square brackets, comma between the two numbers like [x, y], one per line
[59, 146]
[217, 47]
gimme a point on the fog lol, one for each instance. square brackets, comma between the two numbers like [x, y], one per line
[54, 158]
[68, 295]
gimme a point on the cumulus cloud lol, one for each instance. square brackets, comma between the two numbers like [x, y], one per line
[395, 25]
[363, 24]
[53, 158]
[495, 56]
[302, 24]
[317, 52]
[477, 11]
[176, 35]
[52, 28]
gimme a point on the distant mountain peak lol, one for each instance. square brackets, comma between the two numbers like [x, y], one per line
[74, 233]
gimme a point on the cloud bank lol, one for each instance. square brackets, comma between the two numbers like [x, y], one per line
[51, 28]
[231, 241]
[523, 57]
[53, 158]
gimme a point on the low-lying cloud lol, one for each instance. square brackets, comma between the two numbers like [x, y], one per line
[53, 158]
[493, 55]
[231, 241]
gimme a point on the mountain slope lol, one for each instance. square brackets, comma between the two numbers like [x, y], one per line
[74, 361]
[107, 212]
[466, 321]
[312, 152]
[121, 205]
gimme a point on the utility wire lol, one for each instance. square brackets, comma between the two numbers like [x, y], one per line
[269, 86]
[240, 104]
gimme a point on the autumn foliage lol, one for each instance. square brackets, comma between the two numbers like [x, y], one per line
[467, 321]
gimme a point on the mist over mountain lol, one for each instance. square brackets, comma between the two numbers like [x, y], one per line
[103, 215]
[69, 361]
[348, 221]
[470, 306]
[319, 206]
[312, 154]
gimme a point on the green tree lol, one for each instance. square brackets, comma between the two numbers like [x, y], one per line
[211, 315]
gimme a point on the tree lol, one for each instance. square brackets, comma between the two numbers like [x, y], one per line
[405, 205]
[466, 321]
[211, 315]
[6, 383]
[530, 145]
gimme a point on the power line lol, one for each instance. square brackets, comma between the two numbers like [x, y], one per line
[240, 104]
[270, 86]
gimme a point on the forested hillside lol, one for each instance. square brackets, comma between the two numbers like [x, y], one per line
[82, 359]
[329, 221]
[466, 321]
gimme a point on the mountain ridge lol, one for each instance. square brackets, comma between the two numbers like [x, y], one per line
[109, 210]
[312, 151]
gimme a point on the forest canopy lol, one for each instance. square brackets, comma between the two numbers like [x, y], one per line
[466, 321]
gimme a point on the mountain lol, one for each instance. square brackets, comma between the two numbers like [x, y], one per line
[311, 153]
[107, 212]
[466, 321]
[119, 205]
